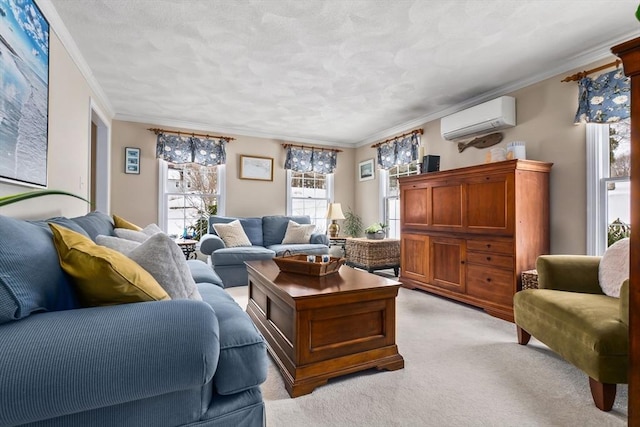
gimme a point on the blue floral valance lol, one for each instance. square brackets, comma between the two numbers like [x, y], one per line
[311, 159]
[400, 151]
[605, 99]
[180, 149]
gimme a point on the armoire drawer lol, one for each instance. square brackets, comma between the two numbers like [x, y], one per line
[490, 259]
[490, 284]
[497, 246]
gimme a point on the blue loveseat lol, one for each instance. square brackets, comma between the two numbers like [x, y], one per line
[266, 235]
[161, 363]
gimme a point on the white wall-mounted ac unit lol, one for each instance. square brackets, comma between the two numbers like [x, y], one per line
[487, 117]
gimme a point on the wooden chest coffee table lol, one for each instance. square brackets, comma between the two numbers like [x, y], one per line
[318, 328]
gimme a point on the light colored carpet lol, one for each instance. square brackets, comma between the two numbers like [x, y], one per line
[462, 368]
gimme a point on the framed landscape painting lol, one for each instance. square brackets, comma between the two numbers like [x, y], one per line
[24, 93]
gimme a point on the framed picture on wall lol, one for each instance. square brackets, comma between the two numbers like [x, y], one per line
[257, 168]
[132, 160]
[24, 96]
[366, 170]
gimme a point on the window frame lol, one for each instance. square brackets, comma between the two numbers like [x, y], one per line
[163, 194]
[385, 175]
[329, 184]
[598, 176]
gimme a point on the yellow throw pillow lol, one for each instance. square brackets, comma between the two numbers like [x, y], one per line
[119, 222]
[102, 276]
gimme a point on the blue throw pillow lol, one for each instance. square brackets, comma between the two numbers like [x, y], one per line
[31, 279]
[275, 227]
[95, 223]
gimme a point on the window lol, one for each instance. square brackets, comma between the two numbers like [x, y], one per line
[608, 185]
[190, 193]
[391, 195]
[309, 193]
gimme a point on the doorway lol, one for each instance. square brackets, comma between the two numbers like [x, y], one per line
[100, 161]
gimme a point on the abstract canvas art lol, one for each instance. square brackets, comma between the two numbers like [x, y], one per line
[24, 96]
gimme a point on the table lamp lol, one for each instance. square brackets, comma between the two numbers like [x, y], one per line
[334, 213]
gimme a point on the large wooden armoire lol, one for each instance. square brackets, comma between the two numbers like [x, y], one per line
[468, 233]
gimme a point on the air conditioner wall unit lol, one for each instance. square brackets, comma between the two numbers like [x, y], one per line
[499, 113]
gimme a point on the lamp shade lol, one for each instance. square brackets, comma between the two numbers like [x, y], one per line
[335, 211]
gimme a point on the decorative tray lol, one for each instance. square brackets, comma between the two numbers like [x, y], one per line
[298, 264]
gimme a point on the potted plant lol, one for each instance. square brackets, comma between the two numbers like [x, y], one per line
[376, 231]
[352, 224]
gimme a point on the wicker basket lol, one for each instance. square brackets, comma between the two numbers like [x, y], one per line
[529, 279]
[298, 264]
[373, 253]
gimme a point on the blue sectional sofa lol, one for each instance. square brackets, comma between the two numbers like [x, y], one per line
[265, 234]
[162, 363]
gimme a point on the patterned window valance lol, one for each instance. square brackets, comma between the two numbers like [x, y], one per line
[311, 159]
[400, 151]
[180, 149]
[604, 99]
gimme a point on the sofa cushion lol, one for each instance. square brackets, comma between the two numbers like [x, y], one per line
[585, 329]
[243, 362]
[252, 227]
[234, 256]
[95, 223]
[203, 273]
[31, 279]
[163, 259]
[309, 249]
[119, 222]
[232, 234]
[103, 276]
[298, 233]
[274, 227]
[614, 268]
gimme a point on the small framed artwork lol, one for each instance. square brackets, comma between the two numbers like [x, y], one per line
[256, 168]
[132, 160]
[365, 170]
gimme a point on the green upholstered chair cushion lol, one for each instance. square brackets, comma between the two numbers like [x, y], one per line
[585, 329]
[575, 273]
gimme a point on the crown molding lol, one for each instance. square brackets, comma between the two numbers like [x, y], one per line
[597, 53]
[207, 128]
[56, 25]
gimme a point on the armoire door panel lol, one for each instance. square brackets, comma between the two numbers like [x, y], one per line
[446, 205]
[414, 202]
[446, 266]
[414, 257]
[487, 203]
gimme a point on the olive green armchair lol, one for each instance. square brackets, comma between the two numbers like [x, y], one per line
[574, 318]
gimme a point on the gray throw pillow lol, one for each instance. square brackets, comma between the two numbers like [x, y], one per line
[163, 259]
[123, 246]
[137, 236]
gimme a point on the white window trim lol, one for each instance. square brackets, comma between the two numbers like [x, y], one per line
[383, 187]
[597, 143]
[329, 178]
[163, 171]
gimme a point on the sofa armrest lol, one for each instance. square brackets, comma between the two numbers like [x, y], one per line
[624, 302]
[320, 239]
[63, 362]
[209, 243]
[574, 273]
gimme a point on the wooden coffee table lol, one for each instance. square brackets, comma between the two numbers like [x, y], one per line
[318, 328]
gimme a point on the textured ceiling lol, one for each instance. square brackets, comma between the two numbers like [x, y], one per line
[334, 71]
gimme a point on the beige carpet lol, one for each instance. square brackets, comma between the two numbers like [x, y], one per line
[462, 368]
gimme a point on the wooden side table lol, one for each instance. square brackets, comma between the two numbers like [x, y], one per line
[372, 255]
[188, 247]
